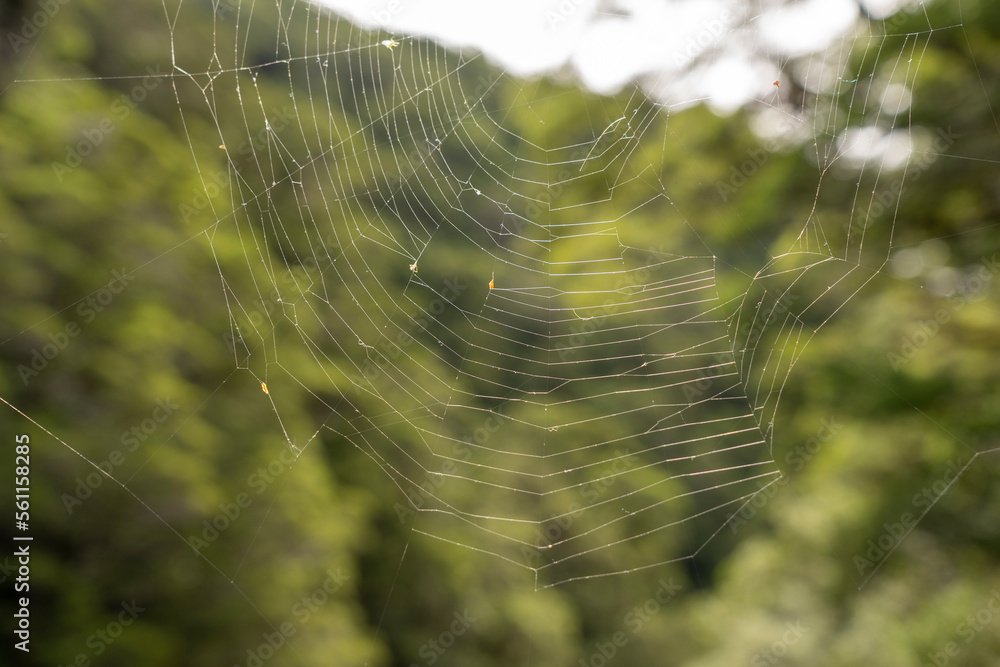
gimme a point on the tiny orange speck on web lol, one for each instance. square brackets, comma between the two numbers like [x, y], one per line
[263, 385]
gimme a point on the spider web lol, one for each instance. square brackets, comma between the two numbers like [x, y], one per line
[534, 330]
[526, 329]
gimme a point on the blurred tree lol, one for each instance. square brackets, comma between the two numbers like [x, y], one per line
[113, 253]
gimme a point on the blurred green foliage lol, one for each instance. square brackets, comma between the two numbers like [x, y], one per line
[150, 267]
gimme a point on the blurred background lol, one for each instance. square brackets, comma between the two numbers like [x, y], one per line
[247, 253]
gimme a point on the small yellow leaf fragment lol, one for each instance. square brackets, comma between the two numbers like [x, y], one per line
[492, 276]
[222, 146]
[263, 385]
